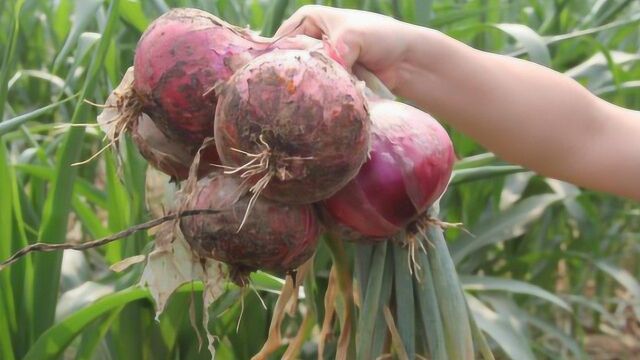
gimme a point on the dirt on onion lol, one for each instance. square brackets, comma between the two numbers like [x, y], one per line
[294, 122]
[179, 59]
[172, 157]
[275, 237]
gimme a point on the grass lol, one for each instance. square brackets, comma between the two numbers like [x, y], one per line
[559, 259]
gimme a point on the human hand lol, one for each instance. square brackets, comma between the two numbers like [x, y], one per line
[377, 42]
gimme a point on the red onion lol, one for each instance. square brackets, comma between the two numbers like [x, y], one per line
[297, 121]
[179, 59]
[275, 237]
[409, 168]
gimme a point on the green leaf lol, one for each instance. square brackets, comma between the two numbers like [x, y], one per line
[631, 20]
[533, 43]
[53, 341]
[627, 85]
[90, 220]
[478, 337]
[595, 306]
[475, 161]
[519, 317]
[380, 329]
[625, 279]
[57, 338]
[371, 303]
[512, 342]
[57, 207]
[427, 302]
[513, 189]
[60, 20]
[266, 282]
[405, 306]
[363, 258]
[13, 123]
[274, 17]
[549, 329]
[8, 57]
[423, 11]
[483, 173]
[83, 13]
[119, 209]
[8, 322]
[131, 11]
[509, 224]
[81, 186]
[487, 283]
[457, 330]
[91, 340]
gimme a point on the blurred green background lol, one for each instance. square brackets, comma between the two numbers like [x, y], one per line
[551, 271]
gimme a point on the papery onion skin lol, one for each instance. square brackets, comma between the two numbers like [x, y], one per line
[410, 165]
[275, 237]
[172, 157]
[310, 113]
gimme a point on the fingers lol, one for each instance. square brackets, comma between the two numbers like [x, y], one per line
[306, 21]
[322, 22]
[297, 42]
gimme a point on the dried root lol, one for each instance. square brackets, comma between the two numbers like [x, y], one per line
[446, 225]
[415, 243]
[119, 113]
[417, 237]
[329, 306]
[286, 303]
[258, 164]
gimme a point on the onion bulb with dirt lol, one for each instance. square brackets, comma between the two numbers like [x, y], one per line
[295, 123]
[178, 61]
[409, 168]
[274, 237]
[172, 157]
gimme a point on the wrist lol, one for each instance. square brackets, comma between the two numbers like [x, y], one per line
[419, 61]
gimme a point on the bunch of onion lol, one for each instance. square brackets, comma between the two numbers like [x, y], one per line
[261, 130]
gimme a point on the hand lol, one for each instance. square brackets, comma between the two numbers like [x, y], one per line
[379, 43]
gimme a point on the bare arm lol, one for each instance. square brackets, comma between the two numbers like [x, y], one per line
[525, 113]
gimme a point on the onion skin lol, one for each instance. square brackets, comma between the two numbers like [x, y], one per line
[275, 237]
[310, 112]
[172, 157]
[410, 165]
[180, 57]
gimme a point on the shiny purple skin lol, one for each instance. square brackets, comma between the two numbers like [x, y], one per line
[275, 237]
[180, 57]
[410, 164]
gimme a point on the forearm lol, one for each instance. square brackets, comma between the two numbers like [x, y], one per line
[525, 113]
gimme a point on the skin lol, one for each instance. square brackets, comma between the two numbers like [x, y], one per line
[523, 112]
